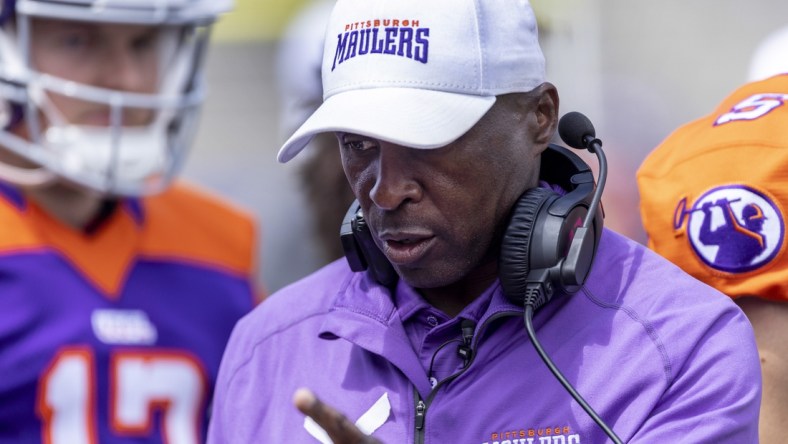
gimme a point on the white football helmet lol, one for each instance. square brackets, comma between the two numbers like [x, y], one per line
[111, 158]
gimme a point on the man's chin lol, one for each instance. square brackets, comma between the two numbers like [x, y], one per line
[426, 278]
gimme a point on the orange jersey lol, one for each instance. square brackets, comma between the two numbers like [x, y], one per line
[714, 193]
[180, 225]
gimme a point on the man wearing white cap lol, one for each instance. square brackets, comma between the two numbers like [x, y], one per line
[468, 220]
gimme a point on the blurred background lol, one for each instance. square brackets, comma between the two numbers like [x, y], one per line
[638, 69]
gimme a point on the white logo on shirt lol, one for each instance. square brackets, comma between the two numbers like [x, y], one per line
[371, 420]
[123, 327]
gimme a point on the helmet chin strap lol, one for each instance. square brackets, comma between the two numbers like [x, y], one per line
[27, 177]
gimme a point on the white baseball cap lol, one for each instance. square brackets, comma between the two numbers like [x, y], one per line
[420, 73]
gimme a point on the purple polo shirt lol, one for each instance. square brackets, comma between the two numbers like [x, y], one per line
[660, 356]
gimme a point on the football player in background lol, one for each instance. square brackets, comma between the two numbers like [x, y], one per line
[116, 296]
[713, 200]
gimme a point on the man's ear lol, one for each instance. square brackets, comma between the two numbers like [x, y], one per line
[546, 113]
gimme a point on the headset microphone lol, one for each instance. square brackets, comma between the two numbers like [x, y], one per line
[577, 131]
[570, 226]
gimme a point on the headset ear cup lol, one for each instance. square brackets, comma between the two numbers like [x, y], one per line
[514, 260]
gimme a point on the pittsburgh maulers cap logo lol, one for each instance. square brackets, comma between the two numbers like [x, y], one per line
[396, 37]
[733, 228]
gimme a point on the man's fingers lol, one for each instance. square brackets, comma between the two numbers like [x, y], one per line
[304, 400]
[308, 404]
[338, 427]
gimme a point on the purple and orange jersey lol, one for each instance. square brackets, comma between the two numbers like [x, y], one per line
[116, 337]
[714, 196]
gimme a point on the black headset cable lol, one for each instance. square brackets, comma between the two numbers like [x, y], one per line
[533, 296]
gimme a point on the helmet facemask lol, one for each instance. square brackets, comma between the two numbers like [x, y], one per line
[100, 135]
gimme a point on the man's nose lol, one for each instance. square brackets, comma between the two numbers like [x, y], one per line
[127, 71]
[396, 181]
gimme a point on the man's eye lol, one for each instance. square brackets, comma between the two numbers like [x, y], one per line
[145, 42]
[75, 40]
[359, 145]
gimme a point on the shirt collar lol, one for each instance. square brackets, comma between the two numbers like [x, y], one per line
[410, 303]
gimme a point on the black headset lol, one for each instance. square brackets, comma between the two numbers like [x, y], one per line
[360, 250]
[551, 237]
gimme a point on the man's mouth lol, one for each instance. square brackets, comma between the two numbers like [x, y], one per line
[406, 248]
[104, 118]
